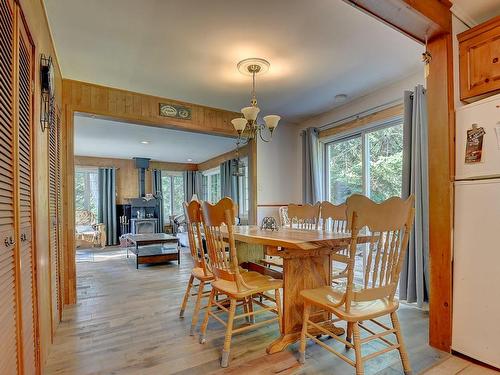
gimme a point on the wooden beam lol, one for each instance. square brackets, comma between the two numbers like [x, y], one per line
[441, 173]
[419, 19]
[431, 20]
[144, 109]
[382, 115]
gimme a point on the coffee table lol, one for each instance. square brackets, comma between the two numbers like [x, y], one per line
[166, 248]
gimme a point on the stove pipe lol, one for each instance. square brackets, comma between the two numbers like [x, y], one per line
[142, 164]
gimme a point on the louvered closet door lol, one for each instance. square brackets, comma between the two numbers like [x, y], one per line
[8, 319]
[54, 223]
[59, 213]
[25, 199]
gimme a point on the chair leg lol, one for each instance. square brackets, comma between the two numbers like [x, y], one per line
[357, 349]
[277, 297]
[196, 311]
[203, 328]
[348, 335]
[250, 310]
[229, 333]
[302, 348]
[186, 296]
[402, 348]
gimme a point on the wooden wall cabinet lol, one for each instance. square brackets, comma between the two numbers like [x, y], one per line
[480, 61]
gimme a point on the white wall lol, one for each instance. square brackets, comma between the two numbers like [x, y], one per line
[381, 96]
[278, 170]
[387, 94]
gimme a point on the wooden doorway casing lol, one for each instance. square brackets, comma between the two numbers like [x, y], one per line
[127, 106]
[430, 21]
[423, 20]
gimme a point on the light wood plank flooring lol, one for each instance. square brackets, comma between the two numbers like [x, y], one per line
[455, 365]
[126, 322]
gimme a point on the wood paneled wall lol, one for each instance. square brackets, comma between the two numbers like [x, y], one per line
[136, 108]
[216, 161]
[140, 108]
[127, 179]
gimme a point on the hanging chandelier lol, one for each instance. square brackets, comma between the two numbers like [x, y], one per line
[248, 124]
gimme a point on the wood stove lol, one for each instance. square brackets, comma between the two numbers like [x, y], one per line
[143, 226]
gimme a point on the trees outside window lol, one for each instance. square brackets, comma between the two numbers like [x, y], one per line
[211, 185]
[86, 192]
[172, 184]
[369, 162]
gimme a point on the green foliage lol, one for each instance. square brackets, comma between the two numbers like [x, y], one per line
[86, 191]
[173, 194]
[385, 165]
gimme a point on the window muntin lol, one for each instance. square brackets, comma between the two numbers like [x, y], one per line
[211, 185]
[87, 191]
[368, 162]
[173, 193]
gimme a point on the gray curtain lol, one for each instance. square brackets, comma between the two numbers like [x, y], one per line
[414, 283]
[228, 182]
[107, 203]
[158, 193]
[192, 184]
[311, 177]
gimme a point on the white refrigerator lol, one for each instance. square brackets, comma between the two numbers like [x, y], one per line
[476, 257]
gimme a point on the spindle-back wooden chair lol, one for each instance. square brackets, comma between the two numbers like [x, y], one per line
[303, 216]
[230, 281]
[389, 224]
[200, 271]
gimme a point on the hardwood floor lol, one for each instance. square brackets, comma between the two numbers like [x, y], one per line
[126, 322]
[455, 365]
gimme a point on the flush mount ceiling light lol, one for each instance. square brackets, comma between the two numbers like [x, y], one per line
[340, 98]
[254, 67]
[145, 142]
[189, 160]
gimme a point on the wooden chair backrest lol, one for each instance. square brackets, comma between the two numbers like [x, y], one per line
[192, 211]
[304, 216]
[283, 215]
[224, 264]
[389, 224]
[334, 217]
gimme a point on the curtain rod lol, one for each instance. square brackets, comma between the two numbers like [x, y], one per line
[359, 114]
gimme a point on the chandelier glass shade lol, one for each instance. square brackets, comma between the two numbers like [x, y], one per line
[248, 125]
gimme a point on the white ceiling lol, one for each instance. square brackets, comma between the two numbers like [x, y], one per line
[112, 139]
[188, 50]
[474, 12]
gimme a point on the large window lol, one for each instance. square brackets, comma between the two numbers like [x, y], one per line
[211, 185]
[369, 162]
[172, 184]
[86, 195]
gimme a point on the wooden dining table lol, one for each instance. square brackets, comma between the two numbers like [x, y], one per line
[306, 264]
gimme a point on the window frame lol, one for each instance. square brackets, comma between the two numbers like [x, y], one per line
[209, 173]
[361, 131]
[171, 175]
[87, 170]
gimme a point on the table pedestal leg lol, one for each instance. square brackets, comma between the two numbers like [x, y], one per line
[299, 273]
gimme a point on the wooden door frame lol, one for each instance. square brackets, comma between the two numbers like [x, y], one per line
[430, 21]
[422, 20]
[141, 109]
